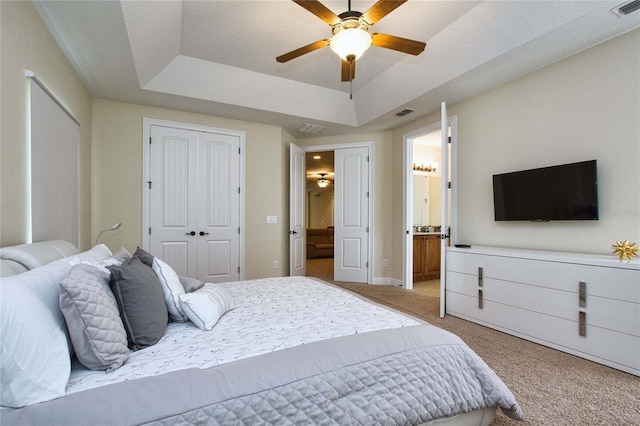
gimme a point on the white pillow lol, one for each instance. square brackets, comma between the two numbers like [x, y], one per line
[204, 307]
[97, 253]
[116, 259]
[172, 289]
[35, 362]
[37, 254]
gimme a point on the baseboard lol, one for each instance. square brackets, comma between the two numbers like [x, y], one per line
[387, 281]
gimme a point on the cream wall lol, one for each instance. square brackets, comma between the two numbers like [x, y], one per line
[584, 107]
[384, 189]
[117, 130]
[26, 44]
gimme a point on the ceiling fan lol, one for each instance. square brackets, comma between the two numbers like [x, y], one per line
[350, 34]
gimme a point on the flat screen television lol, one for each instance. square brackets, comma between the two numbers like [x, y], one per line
[564, 192]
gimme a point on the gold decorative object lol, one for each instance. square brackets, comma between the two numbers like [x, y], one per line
[625, 250]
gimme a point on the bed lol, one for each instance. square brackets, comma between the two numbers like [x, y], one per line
[289, 350]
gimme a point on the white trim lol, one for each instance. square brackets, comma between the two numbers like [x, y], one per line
[146, 134]
[369, 146]
[32, 75]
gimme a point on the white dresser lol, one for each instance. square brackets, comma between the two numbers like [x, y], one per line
[586, 305]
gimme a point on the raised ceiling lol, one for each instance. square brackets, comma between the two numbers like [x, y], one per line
[218, 57]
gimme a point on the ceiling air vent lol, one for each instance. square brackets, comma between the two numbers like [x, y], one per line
[409, 110]
[314, 129]
[626, 8]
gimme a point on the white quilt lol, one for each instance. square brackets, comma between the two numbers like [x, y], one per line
[270, 314]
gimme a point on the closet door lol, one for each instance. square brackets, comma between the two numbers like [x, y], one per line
[172, 197]
[194, 202]
[218, 202]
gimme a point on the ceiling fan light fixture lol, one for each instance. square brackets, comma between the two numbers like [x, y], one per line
[323, 182]
[350, 43]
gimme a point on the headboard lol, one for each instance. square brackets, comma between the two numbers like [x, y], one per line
[21, 258]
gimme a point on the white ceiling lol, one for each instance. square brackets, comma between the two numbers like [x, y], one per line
[218, 57]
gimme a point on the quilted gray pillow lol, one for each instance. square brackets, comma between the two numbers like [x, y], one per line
[91, 313]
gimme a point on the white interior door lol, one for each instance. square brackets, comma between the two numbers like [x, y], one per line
[194, 202]
[218, 201]
[351, 242]
[172, 188]
[444, 205]
[297, 217]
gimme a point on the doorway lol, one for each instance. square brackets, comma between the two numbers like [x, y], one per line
[427, 220]
[353, 209]
[320, 179]
[446, 229]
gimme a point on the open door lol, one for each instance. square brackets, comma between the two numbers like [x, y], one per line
[351, 215]
[446, 192]
[297, 216]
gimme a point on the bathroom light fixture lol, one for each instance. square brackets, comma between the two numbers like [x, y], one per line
[323, 182]
[429, 168]
[111, 228]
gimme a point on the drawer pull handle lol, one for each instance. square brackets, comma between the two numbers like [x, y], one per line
[582, 323]
[480, 299]
[480, 276]
[582, 302]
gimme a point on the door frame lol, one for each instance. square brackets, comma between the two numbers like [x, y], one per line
[407, 190]
[369, 146]
[147, 122]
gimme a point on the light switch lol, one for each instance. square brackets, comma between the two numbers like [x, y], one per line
[272, 219]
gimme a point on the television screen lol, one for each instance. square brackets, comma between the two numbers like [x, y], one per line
[564, 192]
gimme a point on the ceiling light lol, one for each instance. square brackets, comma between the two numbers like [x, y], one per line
[323, 182]
[350, 43]
[316, 157]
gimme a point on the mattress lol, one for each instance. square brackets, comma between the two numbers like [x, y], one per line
[293, 351]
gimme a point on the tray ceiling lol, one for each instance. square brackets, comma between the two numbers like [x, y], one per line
[218, 57]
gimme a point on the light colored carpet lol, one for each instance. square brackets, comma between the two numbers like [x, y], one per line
[552, 387]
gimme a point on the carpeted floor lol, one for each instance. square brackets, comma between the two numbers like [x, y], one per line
[552, 387]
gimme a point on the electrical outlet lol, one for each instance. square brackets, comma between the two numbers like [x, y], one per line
[275, 264]
[385, 263]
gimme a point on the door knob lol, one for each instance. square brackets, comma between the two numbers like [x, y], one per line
[203, 233]
[191, 233]
[292, 232]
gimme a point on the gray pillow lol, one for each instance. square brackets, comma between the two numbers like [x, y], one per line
[140, 299]
[191, 284]
[145, 257]
[90, 311]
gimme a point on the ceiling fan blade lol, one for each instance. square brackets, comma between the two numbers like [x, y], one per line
[400, 44]
[320, 10]
[348, 70]
[301, 51]
[381, 9]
